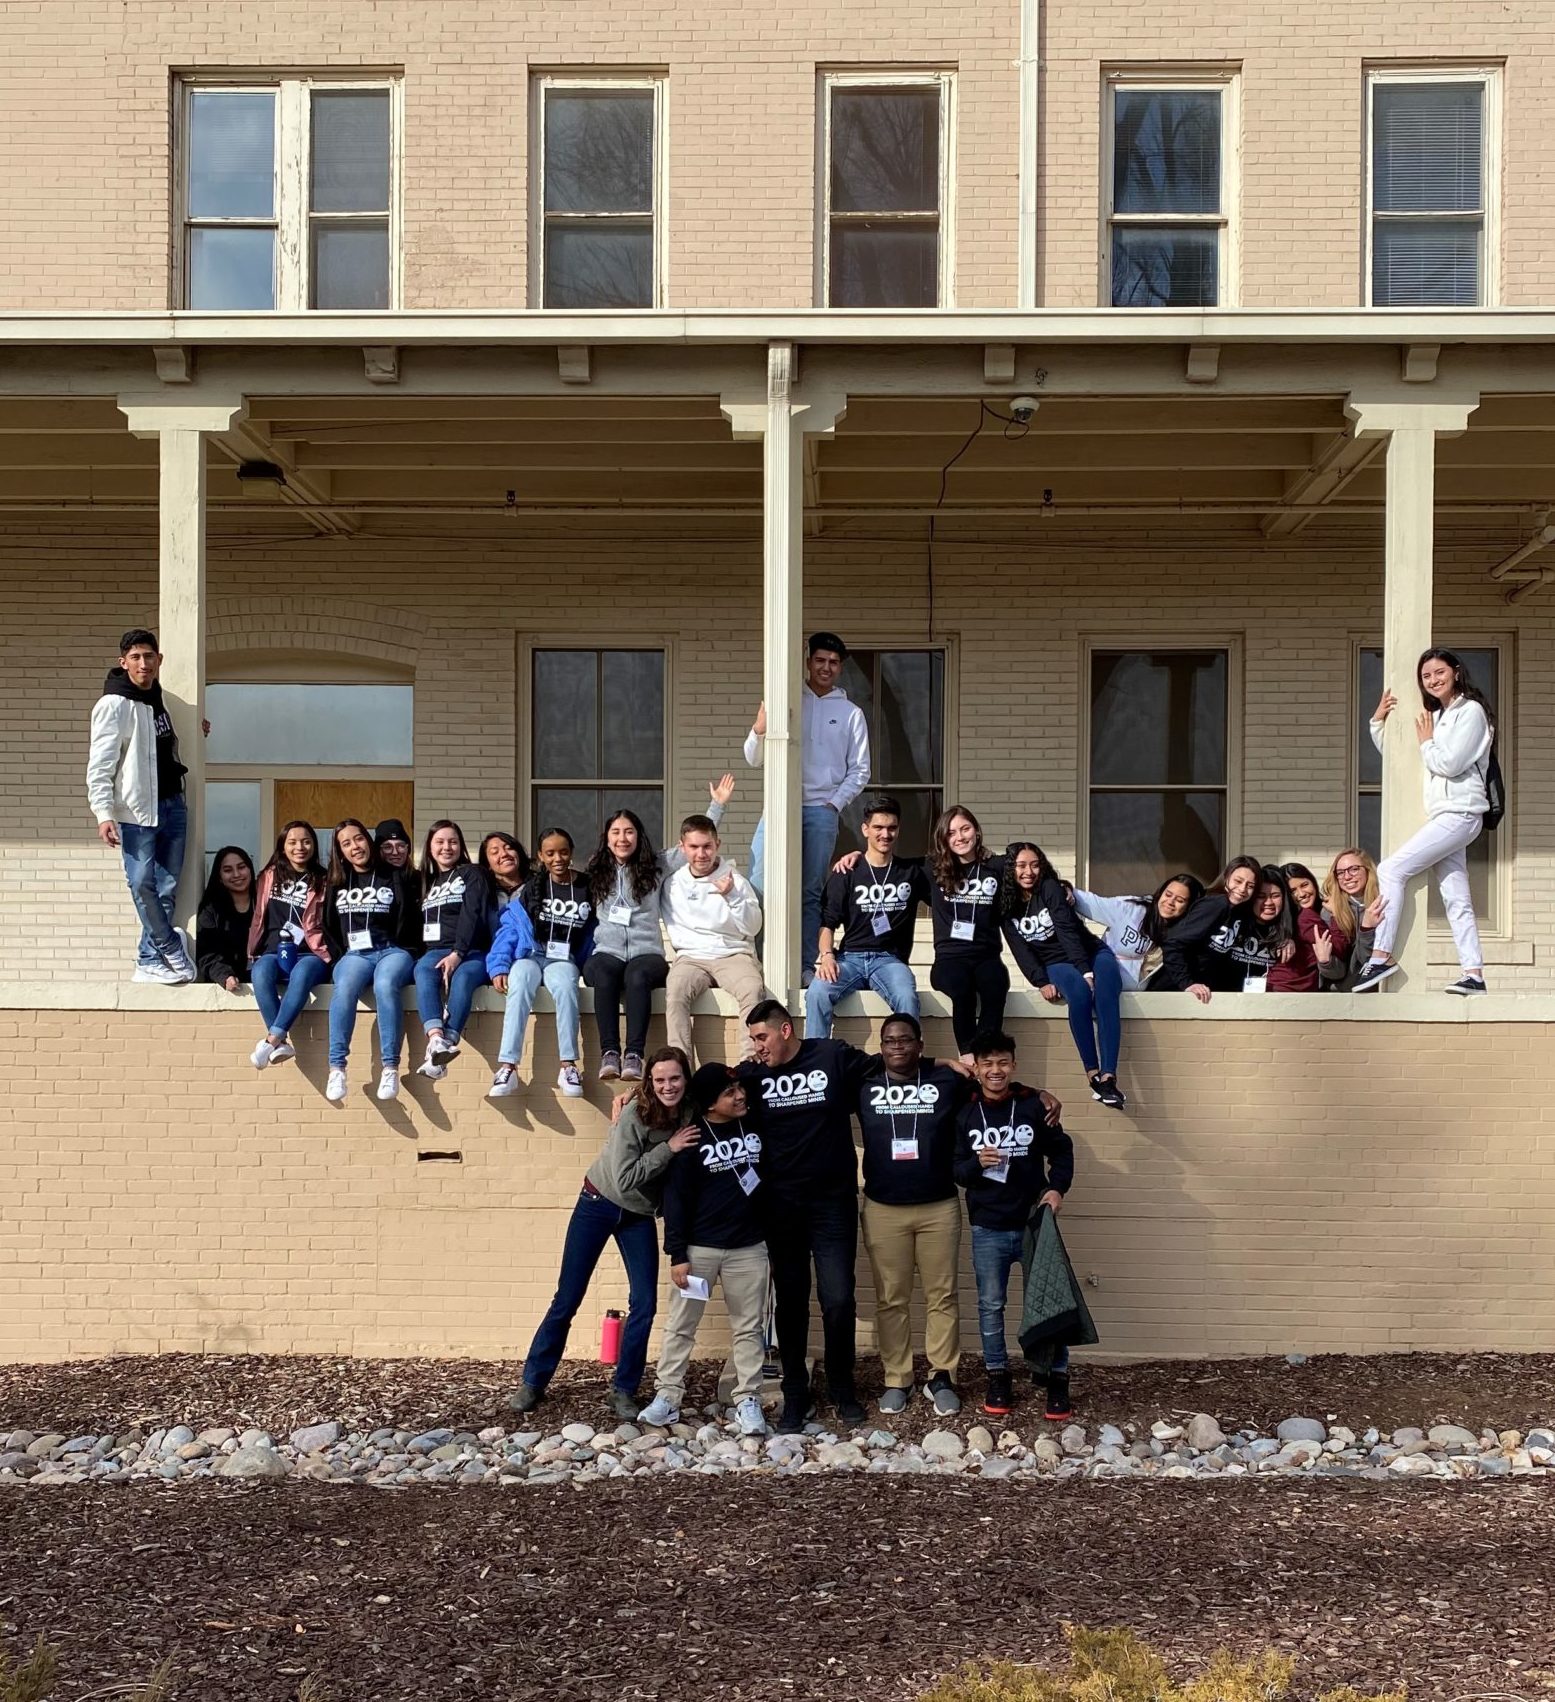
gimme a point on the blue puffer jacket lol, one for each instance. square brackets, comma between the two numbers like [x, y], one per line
[514, 939]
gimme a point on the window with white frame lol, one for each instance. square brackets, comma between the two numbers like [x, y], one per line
[885, 190]
[287, 194]
[1431, 187]
[1158, 774]
[599, 157]
[1484, 664]
[597, 740]
[1171, 190]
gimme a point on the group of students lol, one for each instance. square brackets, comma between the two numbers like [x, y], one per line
[753, 1168]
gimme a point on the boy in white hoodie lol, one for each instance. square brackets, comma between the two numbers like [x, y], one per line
[712, 916]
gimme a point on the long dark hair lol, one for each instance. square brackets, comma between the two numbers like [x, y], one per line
[1300, 872]
[429, 870]
[1460, 674]
[654, 1113]
[280, 865]
[215, 889]
[1013, 898]
[539, 875]
[1282, 929]
[514, 845]
[1155, 926]
[642, 867]
[342, 873]
[1251, 864]
[943, 861]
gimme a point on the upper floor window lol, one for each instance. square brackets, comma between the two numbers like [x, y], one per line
[886, 151]
[1171, 191]
[287, 194]
[1431, 188]
[599, 158]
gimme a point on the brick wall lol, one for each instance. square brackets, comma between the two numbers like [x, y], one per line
[85, 104]
[160, 1196]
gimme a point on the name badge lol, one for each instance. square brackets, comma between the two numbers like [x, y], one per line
[904, 1147]
[620, 914]
[558, 950]
[998, 1172]
[961, 930]
[880, 922]
[431, 933]
[359, 939]
[1256, 981]
[293, 932]
[747, 1180]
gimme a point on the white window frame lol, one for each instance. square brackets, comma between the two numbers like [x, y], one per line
[541, 86]
[1498, 929]
[1173, 639]
[527, 780]
[1226, 80]
[945, 82]
[1489, 79]
[292, 221]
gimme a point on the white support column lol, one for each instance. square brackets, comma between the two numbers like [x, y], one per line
[783, 424]
[180, 429]
[1408, 588]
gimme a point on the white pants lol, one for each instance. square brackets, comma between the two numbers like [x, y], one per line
[1439, 846]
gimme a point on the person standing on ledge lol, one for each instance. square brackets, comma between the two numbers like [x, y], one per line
[834, 770]
[135, 786]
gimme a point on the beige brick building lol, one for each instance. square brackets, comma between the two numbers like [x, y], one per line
[443, 352]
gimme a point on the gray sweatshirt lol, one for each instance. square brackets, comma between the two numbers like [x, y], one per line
[630, 1170]
[638, 935]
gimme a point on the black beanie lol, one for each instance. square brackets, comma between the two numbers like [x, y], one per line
[393, 828]
[708, 1083]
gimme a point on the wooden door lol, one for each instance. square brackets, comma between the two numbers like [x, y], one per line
[326, 802]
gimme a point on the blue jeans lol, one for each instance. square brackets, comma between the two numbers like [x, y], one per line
[153, 860]
[561, 982]
[995, 1253]
[281, 1011]
[817, 840]
[593, 1223]
[387, 971]
[463, 985]
[878, 970]
[1094, 1015]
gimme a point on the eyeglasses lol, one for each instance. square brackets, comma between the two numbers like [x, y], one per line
[1350, 869]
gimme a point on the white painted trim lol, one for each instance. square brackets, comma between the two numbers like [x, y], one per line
[1028, 159]
[1227, 80]
[945, 81]
[1490, 78]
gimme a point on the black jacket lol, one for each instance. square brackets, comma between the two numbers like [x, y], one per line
[1201, 947]
[384, 902]
[1037, 1158]
[1044, 930]
[711, 1191]
[221, 942]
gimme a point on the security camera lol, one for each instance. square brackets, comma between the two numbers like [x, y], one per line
[1022, 408]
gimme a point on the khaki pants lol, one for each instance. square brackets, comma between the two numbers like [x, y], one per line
[742, 1274]
[690, 977]
[899, 1241]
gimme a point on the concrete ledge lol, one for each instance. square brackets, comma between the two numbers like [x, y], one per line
[1022, 1006]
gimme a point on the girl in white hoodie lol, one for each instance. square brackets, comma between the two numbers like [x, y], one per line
[1456, 732]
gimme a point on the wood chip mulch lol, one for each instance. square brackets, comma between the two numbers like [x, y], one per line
[821, 1589]
[278, 1394]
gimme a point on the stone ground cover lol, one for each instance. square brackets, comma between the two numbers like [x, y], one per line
[1399, 1529]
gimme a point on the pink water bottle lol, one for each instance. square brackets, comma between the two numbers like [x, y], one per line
[610, 1339]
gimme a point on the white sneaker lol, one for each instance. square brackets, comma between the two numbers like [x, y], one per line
[263, 1054]
[336, 1089]
[659, 1413]
[433, 1072]
[160, 973]
[569, 1081]
[180, 968]
[504, 1082]
[443, 1052]
[281, 1051]
[750, 1418]
[146, 972]
[389, 1084]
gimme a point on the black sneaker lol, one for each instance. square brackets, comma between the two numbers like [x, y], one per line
[1059, 1406]
[1106, 1089]
[794, 1416]
[1373, 975]
[849, 1408]
[526, 1398]
[942, 1392]
[1000, 1397]
[1467, 986]
[624, 1405]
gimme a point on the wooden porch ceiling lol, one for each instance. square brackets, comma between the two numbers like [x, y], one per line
[1279, 462]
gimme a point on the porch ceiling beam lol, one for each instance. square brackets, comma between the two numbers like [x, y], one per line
[525, 458]
[303, 490]
[1334, 463]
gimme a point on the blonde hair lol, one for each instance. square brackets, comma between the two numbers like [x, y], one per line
[1337, 902]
